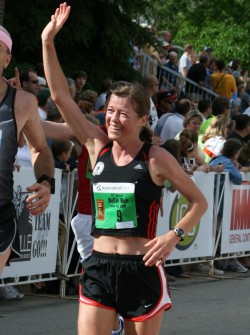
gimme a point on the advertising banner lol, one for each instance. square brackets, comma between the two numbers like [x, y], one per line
[200, 241]
[38, 234]
[236, 218]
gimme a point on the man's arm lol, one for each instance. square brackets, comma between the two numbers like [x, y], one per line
[29, 124]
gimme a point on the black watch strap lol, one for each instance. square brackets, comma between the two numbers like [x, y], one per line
[50, 180]
[179, 232]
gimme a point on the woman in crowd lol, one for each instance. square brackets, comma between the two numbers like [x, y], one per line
[125, 272]
[193, 121]
[215, 136]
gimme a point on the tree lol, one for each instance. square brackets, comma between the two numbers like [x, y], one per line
[2, 5]
[97, 37]
[223, 25]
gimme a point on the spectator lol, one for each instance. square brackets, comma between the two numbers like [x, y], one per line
[212, 67]
[72, 87]
[208, 51]
[42, 82]
[29, 81]
[90, 96]
[245, 99]
[151, 85]
[165, 100]
[168, 79]
[61, 152]
[236, 71]
[242, 128]
[197, 73]
[53, 113]
[236, 101]
[10, 293]
[244, 157]
[193, 121]
[213, 140]
[80, 78]
[152, 49]
[171, 125]
[189, 153]
[204, 107]
[185, 60]
[220, 106]
[223, 83]
[101, 99]
[165, 37]
[42, 98]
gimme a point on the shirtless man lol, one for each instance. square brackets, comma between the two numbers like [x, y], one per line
[19, 118]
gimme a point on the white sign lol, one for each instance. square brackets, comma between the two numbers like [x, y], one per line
[200, 241]
[236, 218]
[38, 234]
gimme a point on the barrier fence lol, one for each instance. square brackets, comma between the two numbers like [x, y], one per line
[147, 65]
[214, 237]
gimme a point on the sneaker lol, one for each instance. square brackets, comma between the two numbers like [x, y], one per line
[203, 268]
[10, 293]
[121, 330]
[236, 266]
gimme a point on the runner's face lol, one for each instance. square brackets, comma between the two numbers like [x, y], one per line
[121, 120]
[5, 56]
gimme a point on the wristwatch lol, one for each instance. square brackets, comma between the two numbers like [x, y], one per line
[179, 232]
[50, 180]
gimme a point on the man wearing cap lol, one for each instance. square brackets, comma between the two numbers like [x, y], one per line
[165, 99]
[207, 51]
[18, 118]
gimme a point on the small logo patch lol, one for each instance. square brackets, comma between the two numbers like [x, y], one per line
[138, 167]
[98, 169]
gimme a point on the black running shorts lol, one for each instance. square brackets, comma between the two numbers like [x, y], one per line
[123, 283]
[8, 230]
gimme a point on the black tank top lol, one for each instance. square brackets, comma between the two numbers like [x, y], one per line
[125, 199]
[8, 145]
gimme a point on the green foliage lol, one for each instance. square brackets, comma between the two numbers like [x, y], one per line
[97, 37]
[224, 25]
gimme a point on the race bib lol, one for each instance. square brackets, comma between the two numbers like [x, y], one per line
[115, 205]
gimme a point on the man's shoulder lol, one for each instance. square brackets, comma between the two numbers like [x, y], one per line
[24, 98]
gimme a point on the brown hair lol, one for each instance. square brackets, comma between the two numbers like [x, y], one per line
[187, 139]
[136, 94]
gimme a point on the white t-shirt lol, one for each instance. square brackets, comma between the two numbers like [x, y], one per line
[153, 115]
[247, 111]
[184, 63]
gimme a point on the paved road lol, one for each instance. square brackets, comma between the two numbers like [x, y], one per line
[201, 306]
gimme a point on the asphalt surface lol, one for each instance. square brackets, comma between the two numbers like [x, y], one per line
[201, 305]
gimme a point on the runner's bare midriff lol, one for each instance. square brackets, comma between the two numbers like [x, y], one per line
[120, 245]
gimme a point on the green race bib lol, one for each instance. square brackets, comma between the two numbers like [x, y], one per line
[115, 205]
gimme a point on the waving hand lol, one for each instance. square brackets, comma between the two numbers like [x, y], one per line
[57, 21]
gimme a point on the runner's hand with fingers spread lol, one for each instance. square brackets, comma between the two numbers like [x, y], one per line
[57, 21]
[160, 248]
